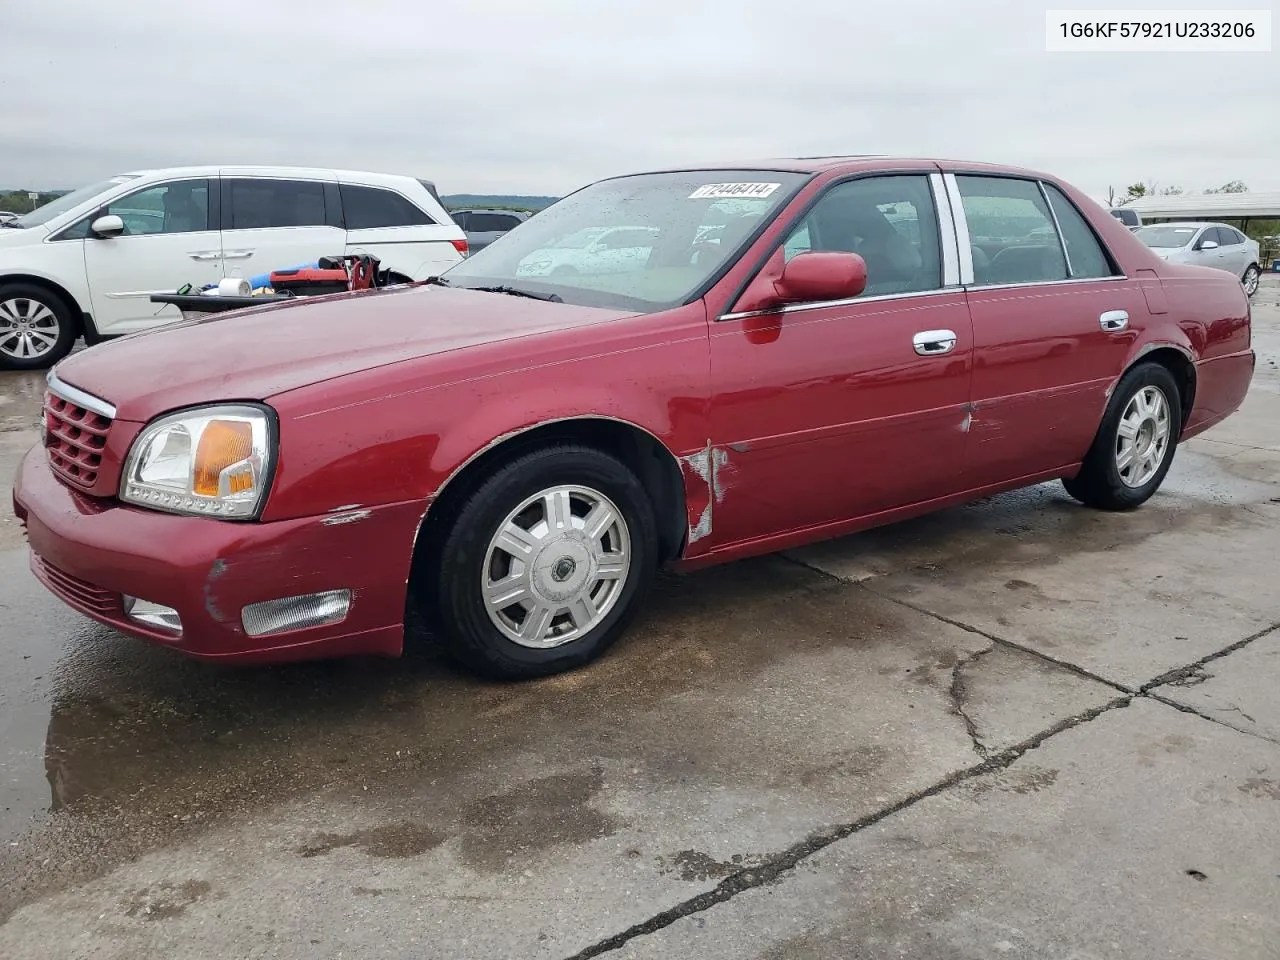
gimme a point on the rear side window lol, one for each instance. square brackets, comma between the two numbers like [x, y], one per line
[1084, 253]
[491, 222]
[1231, 236]
[257, 204]
[1011, 232]
[367, 208]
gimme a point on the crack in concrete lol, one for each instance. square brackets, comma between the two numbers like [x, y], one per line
[1183, 708]
[771, 869]
[1196, 667]
[959, 693]
[1011, 644]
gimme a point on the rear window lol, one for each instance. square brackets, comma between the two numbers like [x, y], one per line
[367, 208]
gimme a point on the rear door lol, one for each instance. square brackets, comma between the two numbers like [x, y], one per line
[272, 223]
[399, 230]
[1053, 320]
[1235, 250]
[170, 238]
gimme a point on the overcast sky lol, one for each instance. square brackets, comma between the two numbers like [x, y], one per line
[492, 96]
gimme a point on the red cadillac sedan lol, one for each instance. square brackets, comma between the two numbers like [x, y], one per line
[678, 367]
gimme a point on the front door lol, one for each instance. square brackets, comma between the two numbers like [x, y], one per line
[274, 224]
[824, 412]
[170, 238]
[1053, 323]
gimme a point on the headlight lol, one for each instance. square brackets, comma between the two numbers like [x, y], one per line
[213, 461]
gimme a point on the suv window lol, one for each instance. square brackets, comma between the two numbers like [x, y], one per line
[461, 220]
[888, 221]
[178, 207]
[366, 208]
[491, 222]
[1085, 252]
[1010, 231]
[257, 204]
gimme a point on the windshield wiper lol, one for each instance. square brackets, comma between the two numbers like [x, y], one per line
[12, 223]
[436, 281]
[517, 292]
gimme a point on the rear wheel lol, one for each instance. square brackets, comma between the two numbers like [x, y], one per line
[1251, 277]
[544, 566]
[36, 327]
[1134, 447]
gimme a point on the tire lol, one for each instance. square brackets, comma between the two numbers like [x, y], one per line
[563, 570]
[37, 328]
[1251, 278]
[1146, 400]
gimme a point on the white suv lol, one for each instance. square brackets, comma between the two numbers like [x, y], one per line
[88, 262]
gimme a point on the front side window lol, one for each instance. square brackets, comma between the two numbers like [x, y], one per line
[1210, 235]
[645, 242]
[256, 204]
[366, 208]
[1085, 252]
[888, 221]
[1011, 232]
[179, 207]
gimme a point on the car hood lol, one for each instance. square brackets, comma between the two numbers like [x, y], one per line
[259, 352]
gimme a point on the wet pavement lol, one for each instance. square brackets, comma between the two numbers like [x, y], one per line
[1018, 728]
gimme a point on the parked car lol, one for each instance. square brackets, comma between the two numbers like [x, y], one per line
[6, 216]
[507, 459]
[482, 227]
[1207, 245]
[592, 250]
[87, 263]
[1128, 216]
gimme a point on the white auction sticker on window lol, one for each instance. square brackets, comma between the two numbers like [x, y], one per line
[717, 190]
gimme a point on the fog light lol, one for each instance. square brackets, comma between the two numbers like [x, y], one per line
[295, 613]
[152, 614]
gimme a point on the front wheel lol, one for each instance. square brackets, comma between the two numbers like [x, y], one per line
[1134, 446]
[36, 328]
[545, 564]
[1251, 277]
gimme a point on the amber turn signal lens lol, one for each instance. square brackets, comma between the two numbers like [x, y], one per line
[222, 443]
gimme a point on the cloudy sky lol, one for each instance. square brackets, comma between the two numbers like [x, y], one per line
[545, 95]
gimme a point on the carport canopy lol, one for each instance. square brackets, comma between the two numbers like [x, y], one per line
[1234, 207]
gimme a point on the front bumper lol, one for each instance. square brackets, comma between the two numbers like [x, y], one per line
[89, 552]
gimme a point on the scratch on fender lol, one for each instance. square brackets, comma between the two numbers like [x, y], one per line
[705, 473]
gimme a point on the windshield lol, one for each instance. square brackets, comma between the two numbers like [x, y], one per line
[43, 214]
[646, 242]
[1166, 237]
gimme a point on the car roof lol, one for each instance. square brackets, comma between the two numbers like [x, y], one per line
[849, 163]
[213, 170]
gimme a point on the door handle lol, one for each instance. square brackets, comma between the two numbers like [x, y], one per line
[206, 255]
[933, 343]
[236, 254]
[1114, 320]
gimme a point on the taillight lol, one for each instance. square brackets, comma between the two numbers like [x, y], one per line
[461, 246]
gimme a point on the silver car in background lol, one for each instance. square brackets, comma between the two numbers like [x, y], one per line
[1206, 245]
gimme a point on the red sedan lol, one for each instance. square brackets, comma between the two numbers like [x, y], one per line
[773, 354]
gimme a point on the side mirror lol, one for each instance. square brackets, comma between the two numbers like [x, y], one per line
[821, 275]
[108, 226]
[1209, 245]
[805, 278]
